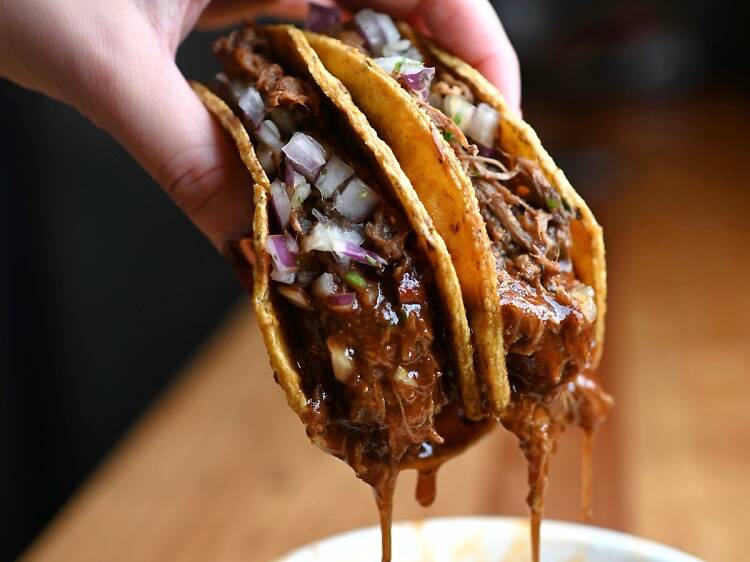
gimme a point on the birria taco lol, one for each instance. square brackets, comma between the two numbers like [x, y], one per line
[354, 290]
[470, 158]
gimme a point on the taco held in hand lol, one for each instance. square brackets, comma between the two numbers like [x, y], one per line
[354, 290]
[543, 243]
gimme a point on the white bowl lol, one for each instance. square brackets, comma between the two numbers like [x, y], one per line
[488, 539]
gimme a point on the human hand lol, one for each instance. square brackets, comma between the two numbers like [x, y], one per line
[114, 62]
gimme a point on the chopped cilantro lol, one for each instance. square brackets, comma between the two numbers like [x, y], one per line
[447, 135]
[355, 280]
[398, 66]
[372, 261]
[566, 205]
[551, 203]
[457, 118]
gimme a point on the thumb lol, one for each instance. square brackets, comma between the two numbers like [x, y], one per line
[149, 107]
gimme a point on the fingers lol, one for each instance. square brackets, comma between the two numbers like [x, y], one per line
[222, 13]
[471, 30]
[149, 107]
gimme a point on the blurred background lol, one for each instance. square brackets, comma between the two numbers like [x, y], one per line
[106, 290]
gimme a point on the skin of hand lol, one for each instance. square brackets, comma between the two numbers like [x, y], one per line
[114, 62]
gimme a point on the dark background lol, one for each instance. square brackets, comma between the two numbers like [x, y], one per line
[106, 289]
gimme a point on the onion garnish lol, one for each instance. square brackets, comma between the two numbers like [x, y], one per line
[322, 18]
[295, 295]
[369, 25]
[269, 133]
[357, 201]
[460, 110]
[324, 286]
[344, 302]
[281, 204]
[484, 124]
[341, 360]
[333, 174]
[388, 29]
[283, 250]
[396, 48]
[306, 155]
[252, 105]
[327, 237]
[419, 81]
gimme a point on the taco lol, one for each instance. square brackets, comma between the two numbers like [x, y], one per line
[543, 243]
[355, 292]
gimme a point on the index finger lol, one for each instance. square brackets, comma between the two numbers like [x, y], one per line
[471, 30]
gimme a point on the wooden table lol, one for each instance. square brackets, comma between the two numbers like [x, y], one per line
[219, 470]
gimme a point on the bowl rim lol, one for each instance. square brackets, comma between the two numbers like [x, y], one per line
[561, 530]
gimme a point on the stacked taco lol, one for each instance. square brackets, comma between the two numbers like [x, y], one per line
[421, 268]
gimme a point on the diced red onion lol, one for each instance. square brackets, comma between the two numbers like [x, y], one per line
[483, 127]
[327, 237]
[396, 48]
[284, 120]
[283, 250]
[295, 295]
[281, 204]
[341, 361]
[333, 174]
[388, 28]
[359, 254]
[460, 110]
[252, 105]
[357, 201]
[292, 177]
[269, 133]
[306, 155]
[419, 81]
[322, 18]
[369, 26]
[343, 302]
[324, 286]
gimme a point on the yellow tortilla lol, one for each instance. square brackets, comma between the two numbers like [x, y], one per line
[291, 49]
[430, 164]
[519, 139]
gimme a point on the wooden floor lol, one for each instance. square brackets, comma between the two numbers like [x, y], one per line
[219, 470]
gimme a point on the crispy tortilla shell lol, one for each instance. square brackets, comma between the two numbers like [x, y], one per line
[291, 49]
[518, 138]
[429, 163]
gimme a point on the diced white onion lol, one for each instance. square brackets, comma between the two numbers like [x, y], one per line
[357, 201]
[399, 64]
[460, 110]
[484, 124]
[369, 26]
[396, 48]
[281, 204]
[327, 237]
[252, 105]
[389, 30]
[335, 172]
[341, 361]
[324, 286]
[301, 192]
[269, 133]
